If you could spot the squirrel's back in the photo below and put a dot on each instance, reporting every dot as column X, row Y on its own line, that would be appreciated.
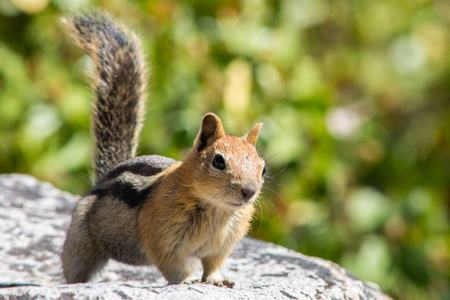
column 119, row 87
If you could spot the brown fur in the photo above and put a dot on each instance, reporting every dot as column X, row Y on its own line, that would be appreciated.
column 153, row 209
column 198, row 211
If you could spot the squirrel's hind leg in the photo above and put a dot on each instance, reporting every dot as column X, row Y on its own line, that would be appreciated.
column 81, row 259
column 79, row 269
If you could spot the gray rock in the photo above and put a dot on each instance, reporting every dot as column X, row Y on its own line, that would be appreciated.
column 34, row 217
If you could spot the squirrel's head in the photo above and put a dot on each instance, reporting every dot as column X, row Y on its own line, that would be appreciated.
column 228, row 171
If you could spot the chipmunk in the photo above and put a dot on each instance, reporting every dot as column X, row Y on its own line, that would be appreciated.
column 153, row 209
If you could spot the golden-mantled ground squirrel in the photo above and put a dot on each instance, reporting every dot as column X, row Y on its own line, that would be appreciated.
column 154, row 209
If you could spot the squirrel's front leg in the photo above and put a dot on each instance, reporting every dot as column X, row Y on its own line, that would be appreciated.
column 211, row 271
column 175, row 269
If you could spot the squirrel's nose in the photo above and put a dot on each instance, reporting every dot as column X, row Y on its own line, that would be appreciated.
column 248, row 191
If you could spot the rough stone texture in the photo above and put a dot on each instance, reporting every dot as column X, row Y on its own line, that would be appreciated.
column 34, row 217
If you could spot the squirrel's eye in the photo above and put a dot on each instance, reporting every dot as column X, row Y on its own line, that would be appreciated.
column 264, row 171
column 219, row 162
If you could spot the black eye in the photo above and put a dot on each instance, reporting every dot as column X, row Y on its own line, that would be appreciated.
column 219, row 162
column 264, row 171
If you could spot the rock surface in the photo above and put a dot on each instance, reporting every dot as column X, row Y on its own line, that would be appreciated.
column 34, row 217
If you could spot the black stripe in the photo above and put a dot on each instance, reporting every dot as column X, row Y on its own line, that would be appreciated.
column 138, row 168
column 124, row 191
column 143, row 165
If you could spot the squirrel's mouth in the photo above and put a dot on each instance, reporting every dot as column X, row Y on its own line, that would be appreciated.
column 239, row 204
column 235, row 204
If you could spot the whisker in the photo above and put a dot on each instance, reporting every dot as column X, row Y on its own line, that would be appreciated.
column 261, row 214
column 276, row 211
column 264, row 150
column 268, row 190
column 215, row 194
column 268, row 159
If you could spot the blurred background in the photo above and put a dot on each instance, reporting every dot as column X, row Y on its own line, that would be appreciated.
column 354, row 96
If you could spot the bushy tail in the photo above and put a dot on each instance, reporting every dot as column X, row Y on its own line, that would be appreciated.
column 119, row 86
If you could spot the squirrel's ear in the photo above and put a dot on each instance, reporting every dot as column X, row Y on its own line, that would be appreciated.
column 252, row 136
column 211, row 131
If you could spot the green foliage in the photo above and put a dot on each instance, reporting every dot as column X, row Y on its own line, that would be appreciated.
column 354, row 96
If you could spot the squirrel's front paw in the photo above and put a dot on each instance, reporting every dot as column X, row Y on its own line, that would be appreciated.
column 218, row 280
column 222, row 283
column 192, row 281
